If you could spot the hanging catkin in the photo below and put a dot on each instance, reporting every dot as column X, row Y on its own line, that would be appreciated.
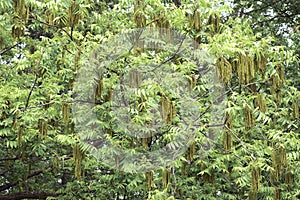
column 40, row 125
column 214, row 22
column 245, row 68
column 65, row 114
column 1, row 42
column 15, row 119
column 50, row 17
column 139, row 16
column 149, row 179
column 146, row 142
column 21, row 14
column 277, row 79
column 135, row 79
column 73, row 13
column 276, row 193
column 195, row 20
column 281, row 73
column 249, row 120
column 255, row 174
column 279, row 163
column 140, row 20
column 78, row 156
column 260, row 62
column 241, row 68
column 252, row 195
column 227, row 135
column 165, row 178
column 224, row 69
column 295, row 108
column 260, row 102
column 276, row 83
column 166, row 109
column 21, row 127
column 251, row 68
column 76, row 59
column 191, row 152
column 288, row 178
column 99, row 89
column 43, row 127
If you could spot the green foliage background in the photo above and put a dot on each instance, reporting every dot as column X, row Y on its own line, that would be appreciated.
column 43, row 44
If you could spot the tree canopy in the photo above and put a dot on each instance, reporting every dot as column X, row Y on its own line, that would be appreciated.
column 243, row 143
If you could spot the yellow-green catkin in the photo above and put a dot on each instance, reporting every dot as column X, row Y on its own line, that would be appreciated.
column 276, row 193
column 277, row 79
column 195, row 20
column 288, row 178
column 77, row 59
column 65, row 115
column 139, row 16
column 227, row 135
column 255, row 178
column 74, row 14
column 224, row 69
column 279, row 163
column 99, row 89
column 135, row 79
column 166, row 178
column 140, row 20
column 1, row 42
column 21, row 15
column 43, row 128
column 260, row 62
column 78, row 156
column 214, row 22
column 295, row 108
column 20, row 132
column 190, row 153
column 149, row 179
column 260, row 102
column 245, row 68
column 166, row 109
column 249, row 118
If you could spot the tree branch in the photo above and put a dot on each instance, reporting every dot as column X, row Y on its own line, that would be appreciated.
column 27, row 195
column 9, row 48
column 7, row 159
column 54, row 26
column 31, row 90
column 35, row 173
column 171, row 57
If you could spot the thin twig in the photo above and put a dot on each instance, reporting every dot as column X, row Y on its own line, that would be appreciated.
column 9, row 48
column 57, row 27
column 172, row 57
column 241, row 142
column 175, row 181
column 31, row 90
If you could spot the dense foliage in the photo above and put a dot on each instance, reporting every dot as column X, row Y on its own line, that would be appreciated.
column 277, row 18
column 43, row 46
